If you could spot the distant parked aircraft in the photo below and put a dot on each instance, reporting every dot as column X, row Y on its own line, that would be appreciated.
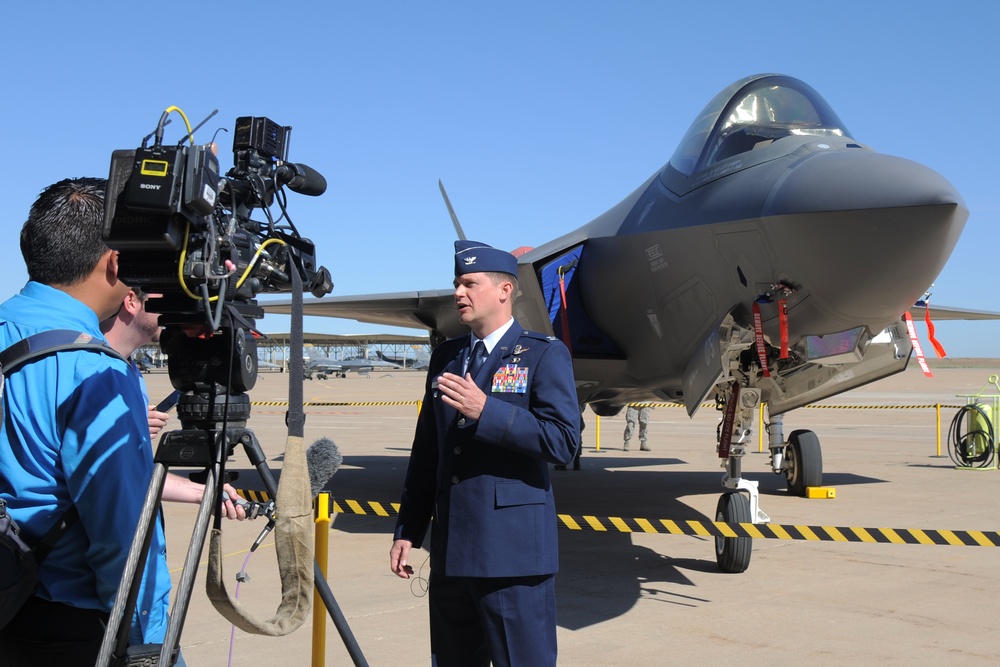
column 418, row 362
column 325, row 367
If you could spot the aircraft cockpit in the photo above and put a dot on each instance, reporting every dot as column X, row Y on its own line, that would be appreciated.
column 750, row 115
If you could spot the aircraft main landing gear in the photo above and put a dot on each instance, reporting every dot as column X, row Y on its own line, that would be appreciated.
column 804, row 462
column 800, row 459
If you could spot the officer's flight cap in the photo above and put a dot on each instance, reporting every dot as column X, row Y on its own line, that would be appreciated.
column 476, row 257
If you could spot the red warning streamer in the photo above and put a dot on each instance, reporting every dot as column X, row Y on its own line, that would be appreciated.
column 758, row 332
column 783, row 325
column 930, row 332
column 728, row 419
column 564, row 311
column 912, row 330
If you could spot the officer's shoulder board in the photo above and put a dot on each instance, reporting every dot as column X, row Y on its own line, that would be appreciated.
column 455, row 341
column 538, row 336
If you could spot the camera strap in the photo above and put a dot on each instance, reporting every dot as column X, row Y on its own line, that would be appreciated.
column 294, row 522
column 296, row 417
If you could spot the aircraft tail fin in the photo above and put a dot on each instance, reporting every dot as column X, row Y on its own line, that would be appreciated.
column 451, row 212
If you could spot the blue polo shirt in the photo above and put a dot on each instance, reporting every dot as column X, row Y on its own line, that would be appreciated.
column 76, row 432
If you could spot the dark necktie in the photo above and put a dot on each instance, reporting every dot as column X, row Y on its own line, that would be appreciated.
column 477, row 358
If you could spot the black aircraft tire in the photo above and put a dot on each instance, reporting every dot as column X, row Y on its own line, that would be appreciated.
column 805, row 464
column 732, row 554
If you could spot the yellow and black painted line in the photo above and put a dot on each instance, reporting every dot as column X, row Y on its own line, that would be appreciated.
column 955, row 538
column 819, row 406
column 770, row 531
column 933, row 406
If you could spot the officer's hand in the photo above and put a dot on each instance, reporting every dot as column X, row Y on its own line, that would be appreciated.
column 398, row 555
column 463, row 394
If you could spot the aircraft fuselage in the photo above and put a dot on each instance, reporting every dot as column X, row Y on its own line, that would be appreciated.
column 845, row 237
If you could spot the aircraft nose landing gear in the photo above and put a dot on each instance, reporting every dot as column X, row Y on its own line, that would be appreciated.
column 733, row 553
column 800, row 460
column 740, row 503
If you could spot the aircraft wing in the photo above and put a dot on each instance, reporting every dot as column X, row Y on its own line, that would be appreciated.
column 949, row 313
column 433, row 310
column 327, row 368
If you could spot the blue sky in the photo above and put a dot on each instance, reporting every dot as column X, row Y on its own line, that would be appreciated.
column 537, row 116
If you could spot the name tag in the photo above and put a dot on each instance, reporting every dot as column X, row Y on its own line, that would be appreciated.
column 511, row 379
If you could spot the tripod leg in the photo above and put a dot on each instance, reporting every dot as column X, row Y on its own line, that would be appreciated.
column 115, row 639
column 184, row 587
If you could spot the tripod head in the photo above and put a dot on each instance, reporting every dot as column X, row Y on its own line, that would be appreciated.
column 213, row 370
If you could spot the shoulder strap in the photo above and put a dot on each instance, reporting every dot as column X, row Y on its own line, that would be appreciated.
column 50, row 538
column 27, row 350
column 44, row 343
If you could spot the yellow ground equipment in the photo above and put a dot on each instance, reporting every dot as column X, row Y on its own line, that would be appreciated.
column 972, row 435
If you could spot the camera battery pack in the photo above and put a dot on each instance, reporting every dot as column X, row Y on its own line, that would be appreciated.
column 140, row 229
column 157, row 177
column 201, row 182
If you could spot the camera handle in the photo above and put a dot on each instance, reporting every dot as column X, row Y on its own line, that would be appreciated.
column 190, row 448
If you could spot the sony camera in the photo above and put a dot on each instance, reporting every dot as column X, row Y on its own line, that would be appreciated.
column 186, row 232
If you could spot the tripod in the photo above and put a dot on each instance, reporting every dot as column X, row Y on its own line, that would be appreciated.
column 191, row 448
column 199, row 444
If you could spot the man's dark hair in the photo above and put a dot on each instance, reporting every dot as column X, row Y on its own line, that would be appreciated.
column 61, row 241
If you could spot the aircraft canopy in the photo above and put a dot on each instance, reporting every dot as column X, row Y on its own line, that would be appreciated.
column 752, row 113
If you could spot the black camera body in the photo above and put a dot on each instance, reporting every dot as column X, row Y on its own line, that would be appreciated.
column 186, row 233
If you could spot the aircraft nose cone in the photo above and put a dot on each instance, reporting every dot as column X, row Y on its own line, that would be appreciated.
column 885, row 227
column 851, row 179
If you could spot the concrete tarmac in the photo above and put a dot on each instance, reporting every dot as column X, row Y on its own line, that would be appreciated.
column 654, row 599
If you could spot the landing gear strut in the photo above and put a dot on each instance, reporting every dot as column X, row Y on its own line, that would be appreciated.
column 740, row 504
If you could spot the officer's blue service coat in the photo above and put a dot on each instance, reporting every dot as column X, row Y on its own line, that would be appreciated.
column 486, row 483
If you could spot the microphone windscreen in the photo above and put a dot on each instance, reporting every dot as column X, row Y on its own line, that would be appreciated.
column 323, row 459
column 310, row 182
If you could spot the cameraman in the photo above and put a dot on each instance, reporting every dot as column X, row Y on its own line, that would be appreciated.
column 132, row 327
column 75, row 432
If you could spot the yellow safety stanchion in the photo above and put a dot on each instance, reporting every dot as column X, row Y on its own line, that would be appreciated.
column 597, row 447
column 323, row 512
column 938, row 407
column 760, row 428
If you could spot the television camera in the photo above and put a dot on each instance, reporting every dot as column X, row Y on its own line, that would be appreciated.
column 186, row 233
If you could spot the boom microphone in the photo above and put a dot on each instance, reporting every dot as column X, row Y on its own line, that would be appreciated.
column 324, row 459
column 301, row 178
